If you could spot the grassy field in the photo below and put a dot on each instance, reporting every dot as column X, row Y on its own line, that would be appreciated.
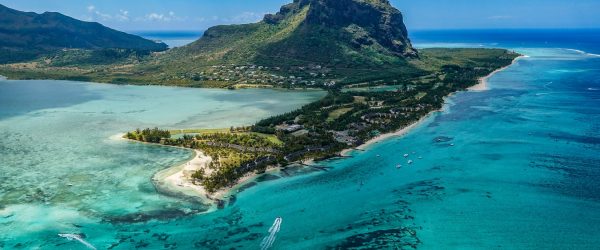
column 333, row 115
column 272, row 138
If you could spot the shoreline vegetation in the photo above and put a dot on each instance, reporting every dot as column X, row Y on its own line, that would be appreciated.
column 343, row 121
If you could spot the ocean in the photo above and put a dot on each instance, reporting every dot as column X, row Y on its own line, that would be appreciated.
column 514, row 167
column 171, row 38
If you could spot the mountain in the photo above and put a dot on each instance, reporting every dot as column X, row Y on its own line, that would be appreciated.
column 364, row 32
column 26, row 35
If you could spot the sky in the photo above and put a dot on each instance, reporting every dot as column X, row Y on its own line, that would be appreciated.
column 198, row 15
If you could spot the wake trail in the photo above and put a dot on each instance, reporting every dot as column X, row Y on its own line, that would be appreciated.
column 77, row 238
column 268, row 241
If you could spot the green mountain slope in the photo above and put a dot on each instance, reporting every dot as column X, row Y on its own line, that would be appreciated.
column 310, row 31
column 26, row 35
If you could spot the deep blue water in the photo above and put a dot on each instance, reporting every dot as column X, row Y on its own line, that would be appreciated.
column 582, row 39
column 515, row 167
column 171, row 38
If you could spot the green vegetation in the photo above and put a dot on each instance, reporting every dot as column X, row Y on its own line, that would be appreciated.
column 335, row 114
column 154, row 135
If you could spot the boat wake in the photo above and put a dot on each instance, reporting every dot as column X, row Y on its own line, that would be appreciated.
column 77, row 238
column 268, row 241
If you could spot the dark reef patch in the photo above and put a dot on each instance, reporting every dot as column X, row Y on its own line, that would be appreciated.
column 246, row 186
column 267, row 177
column 403, row 238
column 162, row 215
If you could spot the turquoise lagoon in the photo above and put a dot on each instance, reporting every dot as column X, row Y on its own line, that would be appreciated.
column 515, row 167
column 63, row 165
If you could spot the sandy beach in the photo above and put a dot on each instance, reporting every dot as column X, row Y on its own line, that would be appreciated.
column 179, row 179
column 483, row 82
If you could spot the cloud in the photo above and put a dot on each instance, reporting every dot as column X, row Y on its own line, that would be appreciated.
column 97, row 15
column 160, row 17
column 500, row 17
column 123, row 15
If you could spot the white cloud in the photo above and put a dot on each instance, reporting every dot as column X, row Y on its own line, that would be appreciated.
column 161, row 17
column 123, row 15
column 156, row 17
column 95, row 15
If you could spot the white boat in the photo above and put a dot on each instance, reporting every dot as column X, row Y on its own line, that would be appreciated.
column 410, row 161
column 399, row 166
column 405, row 155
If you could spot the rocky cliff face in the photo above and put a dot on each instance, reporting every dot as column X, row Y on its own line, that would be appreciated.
column 338, row 33
column 366, row 21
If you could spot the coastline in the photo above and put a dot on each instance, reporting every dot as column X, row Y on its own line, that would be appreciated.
column 483, row 81
column 383, row 137
column 481, row 86
column 177, row 179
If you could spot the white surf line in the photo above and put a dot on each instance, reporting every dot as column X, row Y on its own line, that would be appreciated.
column 584, row 53
column 77, row 238
column 268, row 241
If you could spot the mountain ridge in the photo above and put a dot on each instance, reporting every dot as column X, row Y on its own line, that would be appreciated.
column 28, row 34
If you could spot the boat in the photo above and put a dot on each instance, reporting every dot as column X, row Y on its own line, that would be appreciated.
column 399, row 166
column 410, row 161
column 405, row 155
column 420, row 157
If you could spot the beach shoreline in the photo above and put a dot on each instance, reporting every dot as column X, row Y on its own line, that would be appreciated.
column 482, row 84
column 178, row 179
column 398, row 133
